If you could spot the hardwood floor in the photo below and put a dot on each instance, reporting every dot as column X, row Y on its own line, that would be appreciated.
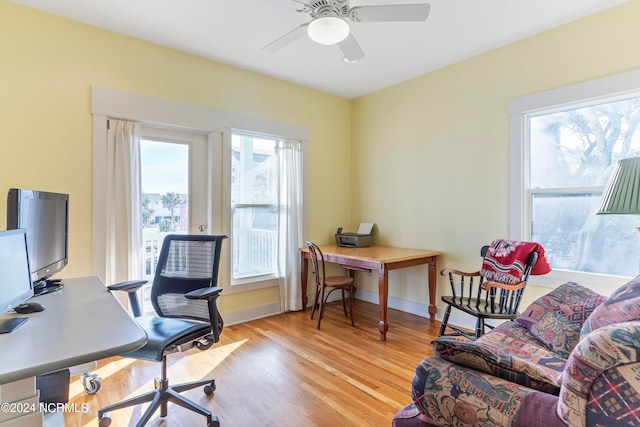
column 281, row 371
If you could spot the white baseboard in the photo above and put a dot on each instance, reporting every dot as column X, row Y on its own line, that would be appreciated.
column 456, row 318
column 253, row 313
column 419, row 309
column 412, row 307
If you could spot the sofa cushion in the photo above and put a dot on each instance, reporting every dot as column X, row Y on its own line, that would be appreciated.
column 557, row 317
column 508, row 352
column 452, row 395
column 622, row 306
column 602, row 376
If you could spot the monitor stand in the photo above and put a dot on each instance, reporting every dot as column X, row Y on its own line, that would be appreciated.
column 46, row 286
column 8, row 325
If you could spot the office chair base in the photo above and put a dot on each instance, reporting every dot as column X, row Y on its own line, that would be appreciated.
column 159, row 398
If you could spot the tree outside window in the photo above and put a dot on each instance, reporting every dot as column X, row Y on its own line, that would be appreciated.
column 571, row 156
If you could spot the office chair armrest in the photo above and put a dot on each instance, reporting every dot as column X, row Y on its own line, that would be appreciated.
column 211, row 295
column 446, row 271
column 488, row 285
column 130, row 286
column 203, row 293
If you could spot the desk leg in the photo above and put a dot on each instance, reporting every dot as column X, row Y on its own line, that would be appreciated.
column 432, row 289
column 304, row 274
column 383, row 293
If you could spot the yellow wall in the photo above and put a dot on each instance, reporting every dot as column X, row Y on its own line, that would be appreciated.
column 432, row 153
column 47, row 66
column 427, row 160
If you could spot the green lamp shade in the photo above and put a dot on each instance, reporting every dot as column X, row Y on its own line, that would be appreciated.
column 622, row 193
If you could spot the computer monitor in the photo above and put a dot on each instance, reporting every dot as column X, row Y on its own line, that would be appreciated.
column 15, row 277
column 45, row 216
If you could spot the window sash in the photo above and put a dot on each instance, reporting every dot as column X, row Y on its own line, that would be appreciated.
column 521, row 110
column 255, row 252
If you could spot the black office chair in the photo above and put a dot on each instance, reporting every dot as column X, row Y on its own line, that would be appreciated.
column 496, row 290
column 184, row 295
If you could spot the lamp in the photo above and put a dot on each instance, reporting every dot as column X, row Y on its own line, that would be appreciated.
column 328, row 30
column 622, row 193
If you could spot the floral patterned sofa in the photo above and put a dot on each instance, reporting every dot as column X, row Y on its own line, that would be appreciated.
column 571, row 358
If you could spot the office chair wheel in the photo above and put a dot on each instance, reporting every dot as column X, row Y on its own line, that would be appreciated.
column 214, row 422
column 210, row 388
column 204, row 344
column 105, row 420
column 91, row 383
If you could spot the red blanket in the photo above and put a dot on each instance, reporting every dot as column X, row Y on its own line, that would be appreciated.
column 506, row 261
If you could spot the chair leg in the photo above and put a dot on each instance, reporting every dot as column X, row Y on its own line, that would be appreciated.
column 445, row 320
column 344, row 303
column 159, row 397
column 479, row 327
column 321, row 309
column 351, row 298
column 180, row 400
column 315, row 302
column 150, row 396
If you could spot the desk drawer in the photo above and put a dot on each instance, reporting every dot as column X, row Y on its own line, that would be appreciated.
column 356, row 264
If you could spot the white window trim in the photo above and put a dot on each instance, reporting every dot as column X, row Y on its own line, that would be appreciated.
column 110, row 103
column 256, row 281
column 610, row 88
column 261, row 280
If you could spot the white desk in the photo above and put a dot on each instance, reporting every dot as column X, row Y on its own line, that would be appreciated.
column 81, row 323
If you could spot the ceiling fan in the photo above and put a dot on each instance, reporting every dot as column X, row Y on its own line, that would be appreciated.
column 329, row 24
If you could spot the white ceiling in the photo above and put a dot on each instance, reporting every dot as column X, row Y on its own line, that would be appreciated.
column 235, row 31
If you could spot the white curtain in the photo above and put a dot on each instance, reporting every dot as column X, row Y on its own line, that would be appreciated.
column 123, row 200
column 291, row 179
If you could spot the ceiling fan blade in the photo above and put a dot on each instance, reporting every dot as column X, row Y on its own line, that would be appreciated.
column 351, row 49
column 289, row 37
column 390, row 13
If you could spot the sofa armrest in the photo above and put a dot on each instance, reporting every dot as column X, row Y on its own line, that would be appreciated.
column 447, row 394
column 604, row 349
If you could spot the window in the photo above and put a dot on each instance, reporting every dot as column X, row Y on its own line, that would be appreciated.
column 169, row 170
column 266, row 184
column 209, row 204
column 564, row 153
column 254, row 206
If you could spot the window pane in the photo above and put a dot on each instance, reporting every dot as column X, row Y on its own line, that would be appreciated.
column 255, row 241
column 165, row 195
column 576, row 148
column 254, row 207
column 254, row 175
column 577, row 239
column 575, row 151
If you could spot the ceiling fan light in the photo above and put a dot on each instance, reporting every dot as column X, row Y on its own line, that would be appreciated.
column 328, row 30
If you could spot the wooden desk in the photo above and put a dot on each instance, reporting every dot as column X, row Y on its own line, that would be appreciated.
column 376, row 258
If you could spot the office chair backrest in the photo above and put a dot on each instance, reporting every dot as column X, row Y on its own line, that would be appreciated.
column 186, row 263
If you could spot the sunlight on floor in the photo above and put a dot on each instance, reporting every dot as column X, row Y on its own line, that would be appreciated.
column 194, row 364
column 76, row 387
